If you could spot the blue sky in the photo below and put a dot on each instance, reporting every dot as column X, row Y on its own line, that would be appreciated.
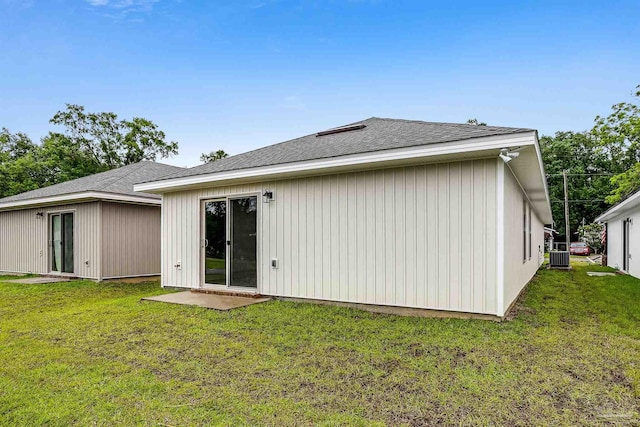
column 243, row 74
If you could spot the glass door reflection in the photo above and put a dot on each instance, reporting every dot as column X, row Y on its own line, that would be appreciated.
column 215, row 242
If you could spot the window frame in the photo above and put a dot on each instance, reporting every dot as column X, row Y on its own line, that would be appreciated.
column 529, row 206
column 524, row 229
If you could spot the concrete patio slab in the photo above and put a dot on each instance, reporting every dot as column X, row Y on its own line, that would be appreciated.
column 37, row 280
column 213, row 301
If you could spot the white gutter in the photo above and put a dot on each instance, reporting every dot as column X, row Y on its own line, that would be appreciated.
column 457, row 147
column 77, row 197
column 544, row 177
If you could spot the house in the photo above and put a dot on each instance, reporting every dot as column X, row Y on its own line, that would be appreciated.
column 385, row 212
column 94, row 227
column 623, row 236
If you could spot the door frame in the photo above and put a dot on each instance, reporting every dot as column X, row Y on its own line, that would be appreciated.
column 626, row 225
column 50, row 214
column 202, row 234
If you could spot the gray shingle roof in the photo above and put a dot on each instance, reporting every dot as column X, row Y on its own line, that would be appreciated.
column 377, row 135
column 116, row 181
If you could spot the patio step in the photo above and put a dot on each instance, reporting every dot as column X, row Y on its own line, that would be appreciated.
column 227, row 293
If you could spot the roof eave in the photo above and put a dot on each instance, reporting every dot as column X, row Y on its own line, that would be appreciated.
column 81, row 197
column 622, row 207
column 468, row 148
column 529, row 171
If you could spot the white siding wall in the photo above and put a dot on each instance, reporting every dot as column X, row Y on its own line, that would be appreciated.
column 422, row 236
column 614, row 244
column 614, row 247
column 518, row 271
column 24, row 240
column 130, row 240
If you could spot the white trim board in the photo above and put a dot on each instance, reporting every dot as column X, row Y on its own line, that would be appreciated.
column 79, row 197
column 620, row 208
column 373, row 159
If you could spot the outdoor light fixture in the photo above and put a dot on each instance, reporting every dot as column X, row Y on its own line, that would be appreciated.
column 267, row 196
column 39, row 214
column 507, row 155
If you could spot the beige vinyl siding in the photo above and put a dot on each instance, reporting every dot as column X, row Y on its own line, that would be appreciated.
column 24, row 240
column 615, row 241
column 421, row 236
column 130, row 240
column 518, row 272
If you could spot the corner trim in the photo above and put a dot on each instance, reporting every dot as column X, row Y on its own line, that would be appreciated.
column 500, row 239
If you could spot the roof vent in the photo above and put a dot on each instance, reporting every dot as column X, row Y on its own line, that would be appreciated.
column 341, row 129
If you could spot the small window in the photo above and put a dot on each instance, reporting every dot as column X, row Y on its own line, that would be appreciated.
column 524, row 230
column 529, row 232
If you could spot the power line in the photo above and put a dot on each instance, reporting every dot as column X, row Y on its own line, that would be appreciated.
column 579, row 201
column 582, row 174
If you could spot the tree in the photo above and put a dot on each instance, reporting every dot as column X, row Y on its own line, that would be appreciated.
column 13, row 146
column 590, row 234
column 475, row 122
column 625, row 183
column 65, row 159
column 619, row 136
column 213, row 156
column 111, row 142
column 588, row 174
column 20, row 168
column 91, row 143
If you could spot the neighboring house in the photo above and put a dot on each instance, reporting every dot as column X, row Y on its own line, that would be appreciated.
column 623, row 235
column 386, row 212
column 94, row 227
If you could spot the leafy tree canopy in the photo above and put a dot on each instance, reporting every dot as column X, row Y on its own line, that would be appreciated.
column 590, row 234
column 601, row 164
column 90, row 143
column 588, row 176
column 111, row 142
column 213, row 156
column 475, row 122
column 619, row 136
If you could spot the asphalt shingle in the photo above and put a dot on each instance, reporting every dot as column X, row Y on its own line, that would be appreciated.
column 377, row 135
column 116, row 181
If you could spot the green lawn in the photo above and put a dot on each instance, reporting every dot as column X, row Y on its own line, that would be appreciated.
column 217, row 263
column 81, row 353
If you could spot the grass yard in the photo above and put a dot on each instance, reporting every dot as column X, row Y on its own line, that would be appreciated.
column 214, row 263
column 81, row 353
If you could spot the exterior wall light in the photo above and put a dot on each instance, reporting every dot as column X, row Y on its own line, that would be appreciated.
column 268, row 196
column 507, row 155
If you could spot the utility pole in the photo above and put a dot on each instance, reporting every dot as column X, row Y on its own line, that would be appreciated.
column 566, row 210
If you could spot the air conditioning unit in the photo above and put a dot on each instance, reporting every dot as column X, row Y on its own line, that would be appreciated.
column 559, row 259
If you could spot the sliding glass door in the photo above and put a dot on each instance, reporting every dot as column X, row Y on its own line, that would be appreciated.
column 215, row 242
column 244, row 245
column 230, row 242
column 625, row 244
column 61, row 237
